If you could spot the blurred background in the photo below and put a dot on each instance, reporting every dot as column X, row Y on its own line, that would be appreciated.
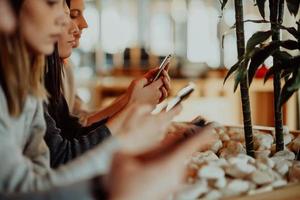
column 125, row 38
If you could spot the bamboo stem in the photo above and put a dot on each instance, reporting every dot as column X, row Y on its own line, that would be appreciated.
column 276, row 16
column 244, row 85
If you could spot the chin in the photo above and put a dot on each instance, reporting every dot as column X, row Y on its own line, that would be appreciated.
column 76, row 44
column 66, row 55
column 48, row 50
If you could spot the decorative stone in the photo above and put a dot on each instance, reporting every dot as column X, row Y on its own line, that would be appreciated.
column 287, row 138
column 224, row 137
column 279, row 183
column 261, row 166
column 192, row 191
column 216, row 146
column 220, row 163
column 204, row 157
column 211, row 172
column 262, row 153
column 240, row 170
column 241, row 158
column 286, row 154
column 285, row 130
column 263, row 141
column 213, row 195
column 220, row 183
column 294, row 174
column 232, row 149
column 282, row 167
column 237, row 187
column 296, row 144
column 267, row 161
column 267, row 188
column 260, row 177
column 236, row 135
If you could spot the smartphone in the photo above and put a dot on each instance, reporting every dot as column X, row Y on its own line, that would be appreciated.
column 183, row 94
column 162, row 66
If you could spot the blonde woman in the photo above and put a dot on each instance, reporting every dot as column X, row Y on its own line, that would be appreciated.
column 23, row 153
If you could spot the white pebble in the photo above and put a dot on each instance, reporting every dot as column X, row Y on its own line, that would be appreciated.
column 211, row 172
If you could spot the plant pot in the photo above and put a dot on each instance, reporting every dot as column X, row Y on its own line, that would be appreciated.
column 240, row 176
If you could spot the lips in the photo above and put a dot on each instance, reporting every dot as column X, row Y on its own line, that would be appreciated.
column 72, row 43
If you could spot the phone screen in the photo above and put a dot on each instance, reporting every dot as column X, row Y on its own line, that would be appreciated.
column 162, row 66
column 181, row 95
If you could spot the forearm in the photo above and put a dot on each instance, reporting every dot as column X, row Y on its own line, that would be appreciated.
column 79, row 191
column 109, row 111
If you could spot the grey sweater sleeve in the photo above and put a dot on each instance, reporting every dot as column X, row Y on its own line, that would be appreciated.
column 25, row 164
column 78, row 191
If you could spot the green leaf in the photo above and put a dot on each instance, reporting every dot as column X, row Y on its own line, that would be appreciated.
column 291, row 64
column 252, row 21
column 257, row 21
column 286, row 74
column 232, row 69
column 293, row 31
column 259, row 57
column 240, row 74
column 286, row 93
column 282, row 55
column 224, row 2
column 293, row 6
column 296, row 82
column 290, row 44
column 261, row 7
column 257, row 38
column 269, row 74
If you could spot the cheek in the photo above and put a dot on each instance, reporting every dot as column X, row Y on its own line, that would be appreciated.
column 28, row 30
column 64, row 47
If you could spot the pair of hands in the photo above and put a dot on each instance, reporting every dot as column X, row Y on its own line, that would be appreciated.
column 141, row 98
column 156, row 174
column 144, row 91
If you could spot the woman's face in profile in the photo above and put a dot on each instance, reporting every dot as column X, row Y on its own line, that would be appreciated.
column 66, row 40
column 41, row 23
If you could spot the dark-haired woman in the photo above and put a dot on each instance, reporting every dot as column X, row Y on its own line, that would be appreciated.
column 65, row 136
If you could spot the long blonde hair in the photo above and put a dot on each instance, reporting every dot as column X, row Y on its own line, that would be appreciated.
column 20, row 73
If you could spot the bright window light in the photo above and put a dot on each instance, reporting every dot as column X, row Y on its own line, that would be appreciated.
column 161, row 34
column 90, row 35
column 203, row 43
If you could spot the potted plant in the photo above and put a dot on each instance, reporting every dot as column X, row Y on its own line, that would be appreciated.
column 224, row 170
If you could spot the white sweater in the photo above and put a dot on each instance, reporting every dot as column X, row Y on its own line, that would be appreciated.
column 24, row 156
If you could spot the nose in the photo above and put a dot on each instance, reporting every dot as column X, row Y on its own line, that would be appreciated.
column 83, row 23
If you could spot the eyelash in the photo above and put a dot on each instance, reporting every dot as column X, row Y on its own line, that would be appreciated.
column 52, row 2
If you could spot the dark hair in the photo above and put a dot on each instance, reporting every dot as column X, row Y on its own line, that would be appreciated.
column 16, row 5
column 53, row 77
column 68, row 3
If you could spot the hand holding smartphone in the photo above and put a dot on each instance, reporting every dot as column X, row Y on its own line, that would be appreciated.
column 162, row 66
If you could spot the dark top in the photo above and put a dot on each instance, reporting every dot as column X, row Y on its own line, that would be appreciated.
column 66, row 137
